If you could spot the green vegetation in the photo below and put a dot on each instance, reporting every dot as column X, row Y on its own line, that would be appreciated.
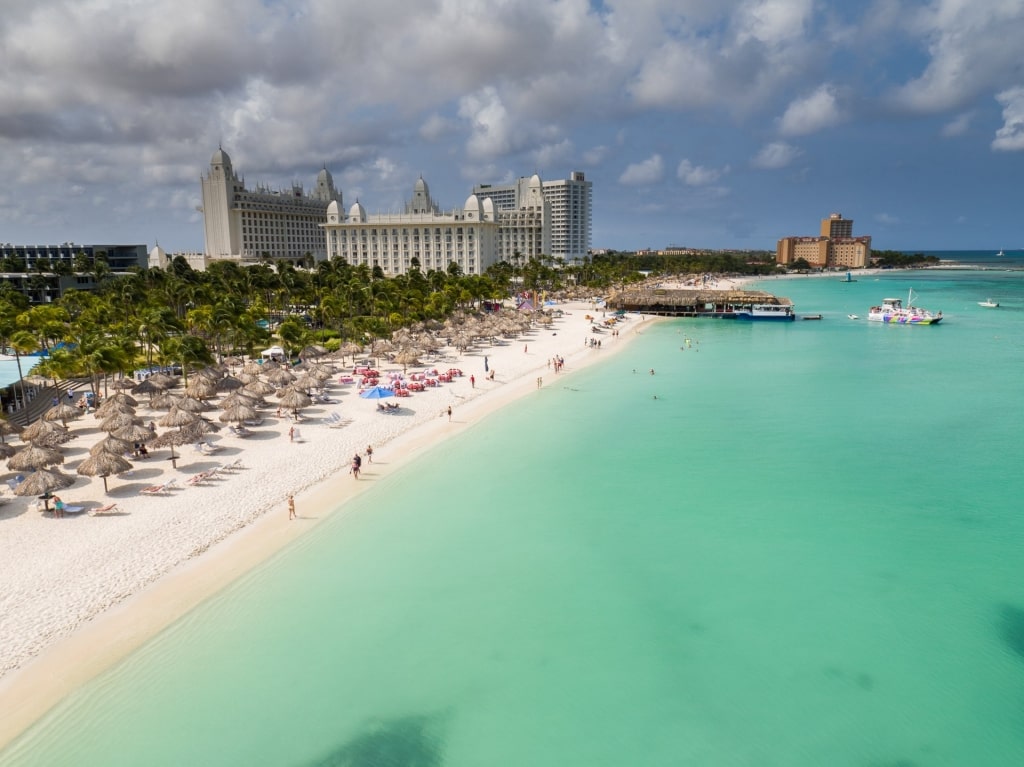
column 180, row 316
column 894, row 259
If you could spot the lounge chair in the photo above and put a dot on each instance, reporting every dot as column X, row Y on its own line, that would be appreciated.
column 108, row 509
column 200, row 478
column 231, row 465
column 74, row 509
column 207, row 448
column 155, row 489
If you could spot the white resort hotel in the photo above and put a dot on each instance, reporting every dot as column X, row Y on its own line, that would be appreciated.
column 513, row 223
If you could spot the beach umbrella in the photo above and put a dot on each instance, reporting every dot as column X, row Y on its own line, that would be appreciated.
column 312, row 351
column 40, row 429
column 192, row 405
column 199, row 429
column 6, row 429
column 150, row 386
column 119, row 420
column 407, row 357
column 34, row 457
column 252, row 367
column 164, row 380
column 172, row 438
column 241, row 397
column 133, row 433
column 258, row 389
column 123, row 383
column 111, row 444
column 122, row 398
column 229, row 383
column 201, row 388
column 165, row 400
column 42, row 482
column 238, row 413
column 63, row 413
column 293, row 399
column 110, row 407
column 280, row 377
column 176, row 417
column 102, row 465
column 377, row 392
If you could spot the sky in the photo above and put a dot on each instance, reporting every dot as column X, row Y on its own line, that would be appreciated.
column 703, row 123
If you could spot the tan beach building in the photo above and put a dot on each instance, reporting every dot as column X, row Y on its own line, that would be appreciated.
column 835, row 248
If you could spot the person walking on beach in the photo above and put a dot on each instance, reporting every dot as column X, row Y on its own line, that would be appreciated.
column 472, row 381
column 291, row 433
column 449, row 414
column 291, row 507
column 369, row 453
column 357, row 464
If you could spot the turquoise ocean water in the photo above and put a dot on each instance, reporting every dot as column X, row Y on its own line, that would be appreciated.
column 805, row 551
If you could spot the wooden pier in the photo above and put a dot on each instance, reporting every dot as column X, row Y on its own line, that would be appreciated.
column 665, row 302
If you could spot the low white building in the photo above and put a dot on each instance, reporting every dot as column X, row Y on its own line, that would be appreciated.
column 466, row 237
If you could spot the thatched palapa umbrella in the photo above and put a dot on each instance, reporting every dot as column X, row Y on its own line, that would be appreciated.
column 201, row 388
column 111, row 444
column 172, row 438
column 150, row 386
column 34, row 457
column 176, row 417
column 103, row 465
column 294, row 400
column 119, row 420
column 42, row 482
column 42, row 429
column 258, row 389
column 238, row 413
column 62, row 412
column 6, row 429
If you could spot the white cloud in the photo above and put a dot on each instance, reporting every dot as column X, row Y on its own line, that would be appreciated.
column 812, row 113
column 698, row 175
column 958, row 125
column 1010, row 138
column 775, row 155
column 650, row 171
column 972, row 47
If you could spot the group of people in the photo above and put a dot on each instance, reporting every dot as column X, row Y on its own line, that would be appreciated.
column 357, row 461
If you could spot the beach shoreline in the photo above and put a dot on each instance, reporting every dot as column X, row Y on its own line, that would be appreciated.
column 60, row 644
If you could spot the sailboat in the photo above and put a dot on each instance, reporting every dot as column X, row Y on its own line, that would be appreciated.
column 1000, row 253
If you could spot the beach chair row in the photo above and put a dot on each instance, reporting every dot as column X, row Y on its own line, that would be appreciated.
column 196, row 479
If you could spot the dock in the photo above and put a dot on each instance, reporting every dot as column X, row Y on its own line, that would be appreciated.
column 716, row 304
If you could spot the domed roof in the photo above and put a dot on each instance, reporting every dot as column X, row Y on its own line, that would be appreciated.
column 421, row 187
column 535, row 182
column 357, row 212
column 325, row 177
column 488, row 209
column 333, row 212
column 220, row 157
column 472, row 208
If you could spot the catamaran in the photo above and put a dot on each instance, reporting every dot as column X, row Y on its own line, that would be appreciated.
column 893, row 312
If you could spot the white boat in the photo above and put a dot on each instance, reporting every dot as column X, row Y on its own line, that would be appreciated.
column 893, row 312
column 853, row 316
column 1000, row 253
column 989, row 303
column 769, row 312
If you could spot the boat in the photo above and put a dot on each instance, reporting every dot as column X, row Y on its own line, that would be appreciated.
column 811, row 317
column 771, row 312
column 849, row 278
column 989, row 303
column 893, row 312
column 853, row 316
column 1000, row 253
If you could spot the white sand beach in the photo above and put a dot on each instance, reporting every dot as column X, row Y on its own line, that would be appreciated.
column 79, row 592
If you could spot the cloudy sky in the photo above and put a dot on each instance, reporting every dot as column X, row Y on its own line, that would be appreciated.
column 709, row 123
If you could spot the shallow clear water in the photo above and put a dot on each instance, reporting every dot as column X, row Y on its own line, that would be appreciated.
column 805, row 551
